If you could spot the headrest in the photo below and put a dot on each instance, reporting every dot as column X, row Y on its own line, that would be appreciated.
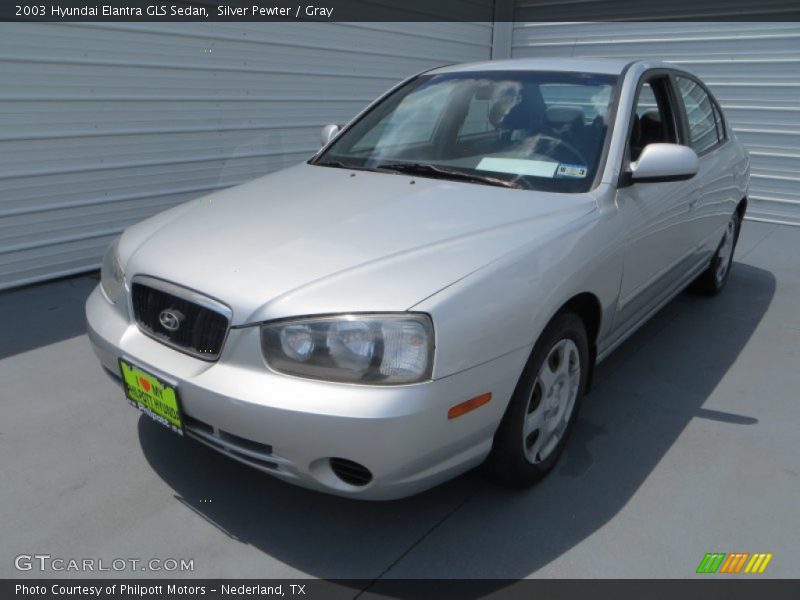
column 526, row 114
column 652, row 115
column 651, row 122
column 561, row 115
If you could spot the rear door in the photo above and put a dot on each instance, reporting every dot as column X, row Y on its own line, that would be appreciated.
column 713, row 187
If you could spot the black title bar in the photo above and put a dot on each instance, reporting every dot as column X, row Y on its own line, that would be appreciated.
column 440, row 589
column 396, row 10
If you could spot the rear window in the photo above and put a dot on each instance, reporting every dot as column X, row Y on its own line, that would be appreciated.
column 702, row 116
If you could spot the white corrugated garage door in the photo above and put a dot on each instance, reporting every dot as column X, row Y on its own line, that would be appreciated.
column 752, row 68
column 104, row 124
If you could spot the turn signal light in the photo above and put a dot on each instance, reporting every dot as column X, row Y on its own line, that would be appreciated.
column 471, row 404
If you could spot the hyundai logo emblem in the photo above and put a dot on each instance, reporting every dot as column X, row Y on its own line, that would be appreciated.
column 170, row 319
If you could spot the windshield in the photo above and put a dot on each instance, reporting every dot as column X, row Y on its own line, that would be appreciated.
column 533, row 130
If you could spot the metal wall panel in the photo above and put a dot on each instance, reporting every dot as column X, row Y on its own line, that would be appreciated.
column 104, row 124
column 753, row 69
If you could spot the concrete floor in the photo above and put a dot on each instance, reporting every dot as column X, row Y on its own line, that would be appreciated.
column 688, row 444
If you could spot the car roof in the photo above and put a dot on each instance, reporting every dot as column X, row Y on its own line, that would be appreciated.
column 610, row 66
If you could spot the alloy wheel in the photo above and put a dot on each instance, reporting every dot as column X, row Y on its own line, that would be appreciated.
column 552, row 401
column 725, row 253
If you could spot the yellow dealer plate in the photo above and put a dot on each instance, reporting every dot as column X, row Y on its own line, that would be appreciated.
column 155, row 398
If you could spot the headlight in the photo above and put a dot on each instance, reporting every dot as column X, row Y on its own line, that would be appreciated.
column 111, row 276
column 371, row 349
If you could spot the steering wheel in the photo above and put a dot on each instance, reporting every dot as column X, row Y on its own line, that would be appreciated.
column 556, row 143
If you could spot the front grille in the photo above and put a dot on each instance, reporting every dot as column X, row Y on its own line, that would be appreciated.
column 201, row 326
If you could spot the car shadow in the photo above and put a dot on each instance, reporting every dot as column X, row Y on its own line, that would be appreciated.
column 644, row 396
column 44, row 313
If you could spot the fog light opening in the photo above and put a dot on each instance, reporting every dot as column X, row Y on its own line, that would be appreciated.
column 350, row 472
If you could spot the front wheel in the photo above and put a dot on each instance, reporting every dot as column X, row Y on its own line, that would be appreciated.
column 542, row 410
column 711, row 281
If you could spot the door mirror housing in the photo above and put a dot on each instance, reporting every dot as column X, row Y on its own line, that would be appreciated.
column 663, row 162
column 328, row 133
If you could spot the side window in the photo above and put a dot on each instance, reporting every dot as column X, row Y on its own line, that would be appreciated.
column 647, row 100
column 701, row 115
column 653, row 118
column 477, row 119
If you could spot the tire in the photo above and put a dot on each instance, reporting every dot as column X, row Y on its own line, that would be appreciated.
column 545, row 402
column 712, row 281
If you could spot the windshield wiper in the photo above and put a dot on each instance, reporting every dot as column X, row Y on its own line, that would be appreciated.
column 423, row 169
column 436, row 171
column 340, row 165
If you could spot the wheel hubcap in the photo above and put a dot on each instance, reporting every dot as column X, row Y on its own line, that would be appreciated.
column 725, row 253
column 552, row 401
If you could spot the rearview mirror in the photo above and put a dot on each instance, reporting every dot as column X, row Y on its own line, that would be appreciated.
column 664, row 162
column 328, row 133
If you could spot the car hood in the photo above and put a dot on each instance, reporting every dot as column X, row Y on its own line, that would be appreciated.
column 313, row 240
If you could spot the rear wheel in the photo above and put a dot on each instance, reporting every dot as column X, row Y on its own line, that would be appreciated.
column 713, row 279
column 541, row 412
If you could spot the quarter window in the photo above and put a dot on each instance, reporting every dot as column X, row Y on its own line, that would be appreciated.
column 718, row 120
column 704, row 130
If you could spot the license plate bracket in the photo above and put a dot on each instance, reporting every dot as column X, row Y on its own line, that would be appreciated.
column 152, row 395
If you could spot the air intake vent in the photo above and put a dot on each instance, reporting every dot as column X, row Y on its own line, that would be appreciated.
column 351, row 472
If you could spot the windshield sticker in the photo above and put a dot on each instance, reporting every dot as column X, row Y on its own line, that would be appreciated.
column 518, row 166
column 565, row 170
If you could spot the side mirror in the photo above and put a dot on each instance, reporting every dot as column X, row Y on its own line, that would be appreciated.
column 328, row 133
column 664, row 162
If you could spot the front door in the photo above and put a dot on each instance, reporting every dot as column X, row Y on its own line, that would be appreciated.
column 659, row 241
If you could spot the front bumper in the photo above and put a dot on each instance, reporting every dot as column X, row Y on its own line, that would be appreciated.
column 290, row 427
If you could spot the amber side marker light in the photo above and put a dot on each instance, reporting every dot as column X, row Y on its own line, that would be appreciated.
column 471, row 404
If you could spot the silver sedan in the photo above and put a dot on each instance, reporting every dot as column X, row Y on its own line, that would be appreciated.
column 432, row 289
